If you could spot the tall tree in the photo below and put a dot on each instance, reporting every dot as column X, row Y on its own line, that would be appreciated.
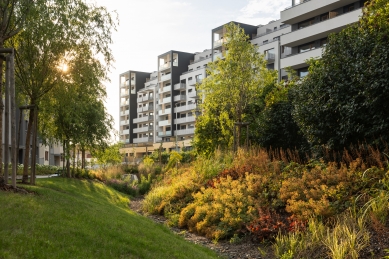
column 231, row 85
column 56, row 30
column 12, row 20
column 344, row 98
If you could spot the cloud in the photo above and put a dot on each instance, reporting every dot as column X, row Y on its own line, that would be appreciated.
column 262, row 11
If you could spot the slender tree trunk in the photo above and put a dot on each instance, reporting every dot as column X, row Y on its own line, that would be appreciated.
column 27, row 146
column 1, row 115
column 74, row 159
column 83, row 158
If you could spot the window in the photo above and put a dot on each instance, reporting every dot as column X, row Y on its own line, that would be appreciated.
column 324, row 17
column 265, row 41
column 323, row 42
column 348, row 8
column 306, row 23
column 307, row 47
column 302, row 72
column 275, row 28
column 46, row 155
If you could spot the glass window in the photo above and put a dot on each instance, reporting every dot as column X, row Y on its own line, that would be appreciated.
column 303, row 72
column 323, row 42
column 306, row 47
column 324, row 17
column 306, row 23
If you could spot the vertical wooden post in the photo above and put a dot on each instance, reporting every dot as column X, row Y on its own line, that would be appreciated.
column 34, row 137
column 6, row 117
column 13, row 120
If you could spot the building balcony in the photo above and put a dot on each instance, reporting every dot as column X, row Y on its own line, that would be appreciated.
column 217, row 55
column 143, row 140
column 125, row 122
column 180, row 97
column 148, row 108
column 166, row 100
column 297, row 61
column 143, row 129
column 164, row 134
column 307, row 9
column 144, row 119
column 139, row 109
column 165, row 112
column 147, row 98
column 218, row 43
column 180, row 86
column 139, row 99
column 124, row 92
column 320, row 30
column 188, row 107
column 124, row 103
column 270, row 57
column 164, row 123
column 192, row 94
column 164, row 66
column 165, row 89
column 126, row 112
column 125, row 132
column 184, row 120
column 185, row 132
column 166, row 77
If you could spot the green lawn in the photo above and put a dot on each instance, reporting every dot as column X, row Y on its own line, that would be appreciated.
column 69, row 218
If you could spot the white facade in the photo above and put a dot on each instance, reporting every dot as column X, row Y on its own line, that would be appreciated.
column 166, row 107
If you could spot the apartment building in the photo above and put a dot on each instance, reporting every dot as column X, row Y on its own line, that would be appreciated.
column 164, row 114
column 130, row 83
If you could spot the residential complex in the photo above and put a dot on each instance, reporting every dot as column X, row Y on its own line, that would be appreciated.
column 157, row 110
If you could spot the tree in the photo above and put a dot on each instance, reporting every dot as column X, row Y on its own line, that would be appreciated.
column 12, row 20
column 109, row 156
column 344, row 98
column 56, row 31
column 272, row 122
column 232, row 84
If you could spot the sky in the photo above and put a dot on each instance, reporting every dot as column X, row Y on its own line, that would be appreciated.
column 148, row 28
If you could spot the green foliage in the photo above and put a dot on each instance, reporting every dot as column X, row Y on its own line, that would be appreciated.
column 343, row 100
column 109, row 156
column 232, row 84
column 85, row 219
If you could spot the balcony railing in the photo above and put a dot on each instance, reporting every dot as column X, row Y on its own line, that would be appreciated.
column 147, row 98
column 139, row 99
column 165, row 112
column 185, row 132
column 124, row 93
column 179, row 86
column 218, row 43
column 143, row 119
column 139, row 109
column 164, row 123
column 166, row 77
column 188, row 107
column 301, row 2
column 179, row 98
column 126, row 112
column 125, row 132
column 143, row 140
column 125, row 122
column 184, row 120
column 148, row 108
column 166, row 100
column 164, row 66
column 192, row 94
column 124, row 103
column 166, row 89
column 164, row 134
column 143, row 129
column 270, row 57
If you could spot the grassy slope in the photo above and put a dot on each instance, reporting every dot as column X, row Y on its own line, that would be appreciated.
column 81, row 219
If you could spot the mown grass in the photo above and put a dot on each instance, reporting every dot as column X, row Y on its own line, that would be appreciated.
column 68, row 218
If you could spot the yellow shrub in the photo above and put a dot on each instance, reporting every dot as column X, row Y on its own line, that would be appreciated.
column 220, row 211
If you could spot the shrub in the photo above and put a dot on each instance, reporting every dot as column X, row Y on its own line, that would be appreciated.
column 223, row 210
column 123, row 186
column 321, row 191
